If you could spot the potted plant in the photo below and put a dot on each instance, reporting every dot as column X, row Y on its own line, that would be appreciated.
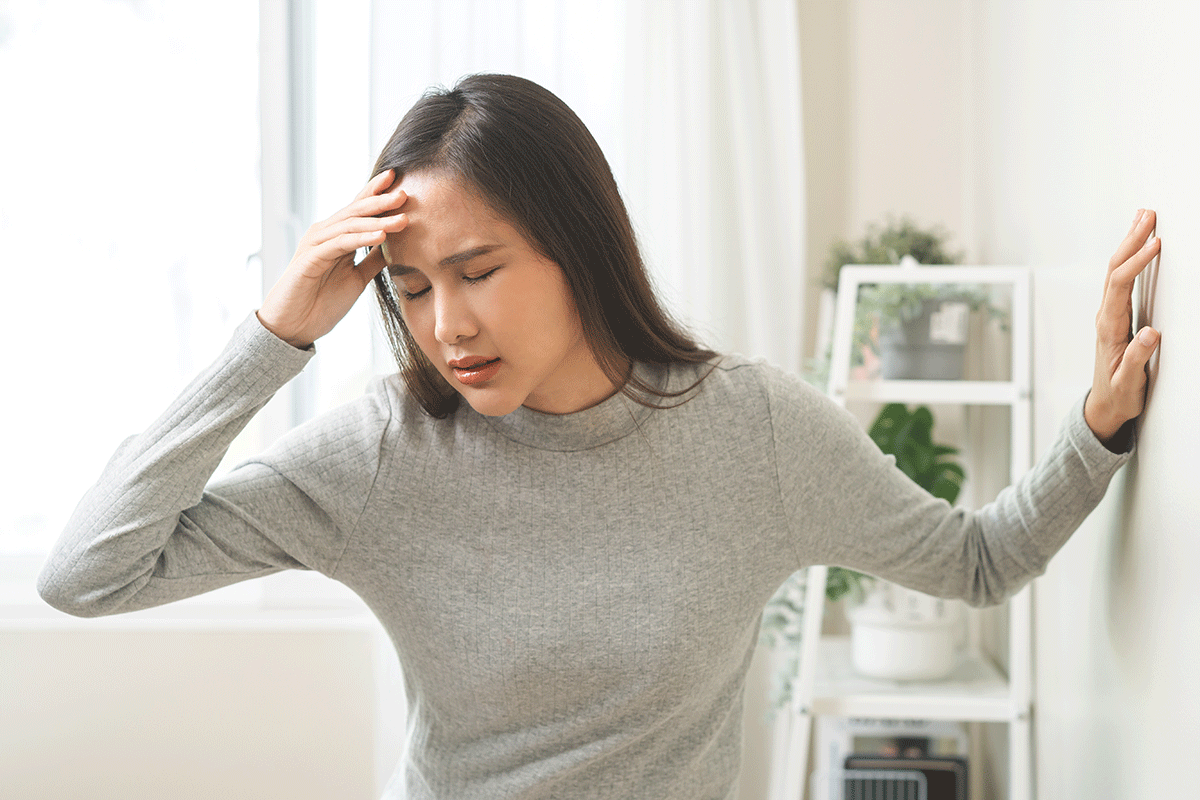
column 914, row 331
column 926, row 626
column 919, row 331
column 888, row 243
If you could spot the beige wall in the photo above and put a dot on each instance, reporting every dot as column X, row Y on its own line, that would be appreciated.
column 196, row 701
column 885, row 120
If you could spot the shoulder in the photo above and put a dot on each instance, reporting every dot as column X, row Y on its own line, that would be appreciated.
column 352, row 437
column 756, row 388
column 737, row 378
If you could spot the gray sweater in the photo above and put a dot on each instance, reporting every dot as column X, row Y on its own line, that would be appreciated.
column 575, row 599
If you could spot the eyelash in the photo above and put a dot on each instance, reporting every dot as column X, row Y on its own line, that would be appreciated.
column 477, row 279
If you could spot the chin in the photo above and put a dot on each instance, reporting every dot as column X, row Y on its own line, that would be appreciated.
column 491, row 405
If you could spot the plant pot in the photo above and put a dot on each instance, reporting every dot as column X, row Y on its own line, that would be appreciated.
column 899, row 634
column 930, row 346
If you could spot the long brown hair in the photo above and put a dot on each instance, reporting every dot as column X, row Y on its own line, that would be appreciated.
column 533, row 160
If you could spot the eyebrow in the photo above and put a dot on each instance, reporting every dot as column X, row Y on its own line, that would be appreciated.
column 448, row 261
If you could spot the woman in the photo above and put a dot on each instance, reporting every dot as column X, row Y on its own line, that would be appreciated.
column 572, row 564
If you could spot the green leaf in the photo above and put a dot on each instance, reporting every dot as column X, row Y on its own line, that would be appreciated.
column 954, row 469
column 883, row 430
column 909, row 437
column 923, row 426
column 945, row 489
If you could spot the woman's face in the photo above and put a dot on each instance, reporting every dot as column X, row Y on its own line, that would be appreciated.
column 493, row 315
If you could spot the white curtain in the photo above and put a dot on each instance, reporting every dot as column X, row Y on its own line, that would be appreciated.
column 696, row 103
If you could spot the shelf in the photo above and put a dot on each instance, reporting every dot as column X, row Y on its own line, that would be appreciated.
column 976, row 690
column 995, row 393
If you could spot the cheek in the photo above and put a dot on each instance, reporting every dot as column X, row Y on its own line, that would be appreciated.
column 541, row 325
column 419, row 326
column 566, row 325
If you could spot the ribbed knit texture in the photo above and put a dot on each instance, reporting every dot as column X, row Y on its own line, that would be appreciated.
column 575, row 599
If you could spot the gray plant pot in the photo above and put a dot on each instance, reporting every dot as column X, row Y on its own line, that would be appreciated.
column 930, row 346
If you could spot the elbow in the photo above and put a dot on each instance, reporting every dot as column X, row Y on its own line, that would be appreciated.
column 986, row 590
column 71, row 600
column 984, row 600
column 995, row 571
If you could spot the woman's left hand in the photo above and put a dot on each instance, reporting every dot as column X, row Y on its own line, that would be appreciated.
column 1119, row 384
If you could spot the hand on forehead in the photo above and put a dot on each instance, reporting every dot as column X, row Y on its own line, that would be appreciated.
column 446, row 218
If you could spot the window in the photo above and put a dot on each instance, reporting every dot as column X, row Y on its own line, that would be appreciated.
column 130, row 213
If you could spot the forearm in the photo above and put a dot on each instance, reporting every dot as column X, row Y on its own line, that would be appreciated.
column 114, row 540
column 1029, row 522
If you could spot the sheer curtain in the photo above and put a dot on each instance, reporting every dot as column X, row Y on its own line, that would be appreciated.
column 715, row 176
column 696, row 105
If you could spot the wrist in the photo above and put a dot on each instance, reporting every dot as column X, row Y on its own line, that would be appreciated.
column 297, row 342
column 1100, row 419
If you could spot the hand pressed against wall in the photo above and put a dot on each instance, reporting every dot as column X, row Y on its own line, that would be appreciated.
column 1119, row 384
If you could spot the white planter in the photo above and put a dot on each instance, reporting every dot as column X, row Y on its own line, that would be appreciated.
column 899, row 634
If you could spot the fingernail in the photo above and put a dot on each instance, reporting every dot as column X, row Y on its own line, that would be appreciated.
column 1138, row 216
column 1146, row 336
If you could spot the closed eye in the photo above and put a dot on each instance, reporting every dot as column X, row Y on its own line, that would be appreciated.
column 480, row 278
column 410, row 296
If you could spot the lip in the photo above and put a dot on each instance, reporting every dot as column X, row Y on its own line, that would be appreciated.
column 474, row 369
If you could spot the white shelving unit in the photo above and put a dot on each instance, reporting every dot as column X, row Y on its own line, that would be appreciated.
column 978, row 690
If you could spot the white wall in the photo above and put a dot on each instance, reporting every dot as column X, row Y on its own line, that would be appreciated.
column 1087, row 111
column 1034, row 131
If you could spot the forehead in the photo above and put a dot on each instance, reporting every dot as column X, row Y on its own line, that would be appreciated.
column 442, row 193
column 445, row 216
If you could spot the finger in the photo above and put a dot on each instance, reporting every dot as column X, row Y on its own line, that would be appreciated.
column 371, row 205
column 1137, row 217
column 387, row 224
column 1121, row 279
column 1131, row 375
column 333, row 250
column 390, row 204
column 374, row 207
column 372, row 265
column 1149, row 220
column 1143, row 226
column 1118, row 289
column 377, row 184
column 372, row 225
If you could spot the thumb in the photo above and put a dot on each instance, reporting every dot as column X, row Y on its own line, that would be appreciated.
column 372, row 265
column 1131, row 373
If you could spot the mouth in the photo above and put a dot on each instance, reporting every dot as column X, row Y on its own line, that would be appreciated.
column 473, row 370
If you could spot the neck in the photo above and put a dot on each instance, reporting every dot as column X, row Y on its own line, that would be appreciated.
column 581, row 385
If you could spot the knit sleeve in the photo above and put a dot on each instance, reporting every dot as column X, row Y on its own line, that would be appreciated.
column 849, row 505
column 153, row 529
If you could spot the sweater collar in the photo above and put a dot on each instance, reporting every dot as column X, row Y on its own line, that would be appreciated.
column 608, row 421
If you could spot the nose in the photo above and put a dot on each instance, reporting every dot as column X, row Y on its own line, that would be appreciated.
column 453, row 321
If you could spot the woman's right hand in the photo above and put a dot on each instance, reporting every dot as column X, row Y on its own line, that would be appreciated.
column 322, row 281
